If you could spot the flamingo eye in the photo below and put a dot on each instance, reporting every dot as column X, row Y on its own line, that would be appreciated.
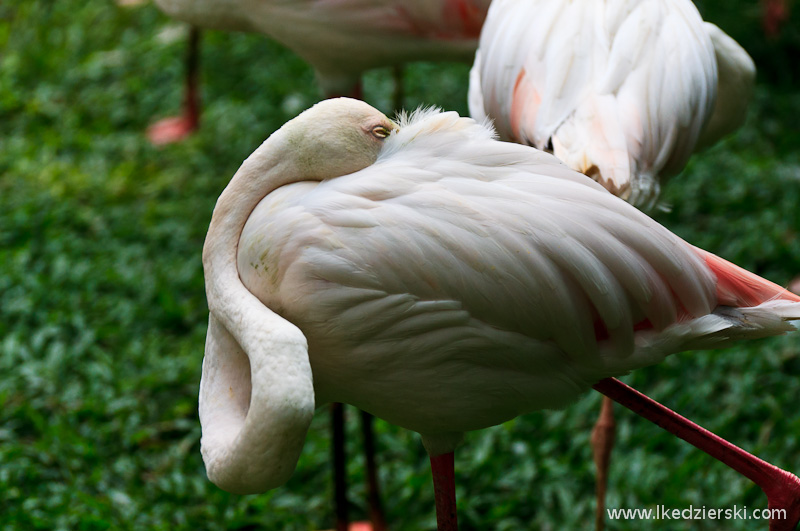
column 380, row 132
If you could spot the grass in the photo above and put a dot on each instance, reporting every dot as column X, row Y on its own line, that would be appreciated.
column 103, row 314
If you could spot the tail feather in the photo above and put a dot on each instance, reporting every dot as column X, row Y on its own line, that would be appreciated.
column 718, row 329
column 749, row 307
column 726, row 324
column 740, row 288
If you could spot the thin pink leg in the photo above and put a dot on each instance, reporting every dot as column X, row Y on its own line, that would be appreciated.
column 444, row 489
column 781, row 487
column 176, row 128
column 602, row 443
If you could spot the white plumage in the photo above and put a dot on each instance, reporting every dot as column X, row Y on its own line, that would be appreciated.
column 622, row 90
column 439, row 279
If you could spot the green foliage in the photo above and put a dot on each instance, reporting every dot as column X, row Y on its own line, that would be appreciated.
column 103, row 314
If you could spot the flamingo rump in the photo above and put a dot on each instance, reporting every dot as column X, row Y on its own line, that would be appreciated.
column 441, row 280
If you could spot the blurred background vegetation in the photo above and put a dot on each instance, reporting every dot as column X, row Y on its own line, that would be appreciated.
column 103, row 313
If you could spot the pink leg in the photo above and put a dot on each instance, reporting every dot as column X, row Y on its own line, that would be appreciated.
column 444, row 489
column 782, row 488
column 176, row 128
column 602, row 442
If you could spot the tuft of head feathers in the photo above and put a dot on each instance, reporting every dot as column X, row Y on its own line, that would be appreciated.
column 431, row 126
column 405, row 118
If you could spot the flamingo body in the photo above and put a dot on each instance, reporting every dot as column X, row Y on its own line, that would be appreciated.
column 448, row 281
column 345, row 38
column 536, row 277
column 621, row 91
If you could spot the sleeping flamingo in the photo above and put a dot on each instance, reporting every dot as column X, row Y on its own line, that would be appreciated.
column 445, row 282
column 340, row 40
column 622, row 91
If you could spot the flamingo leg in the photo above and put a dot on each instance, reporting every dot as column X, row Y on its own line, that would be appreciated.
column 444, row 489
column 339, row 473
column 176, row 128
column 781, row 487
column 602, row 443
column 373, row 490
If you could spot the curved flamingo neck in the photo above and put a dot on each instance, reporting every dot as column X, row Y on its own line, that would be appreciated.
column 256, row 393
column 261, row 173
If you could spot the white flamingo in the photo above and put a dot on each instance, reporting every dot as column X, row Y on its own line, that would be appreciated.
column 622, row 91
column 445, row 282
column 340, row 40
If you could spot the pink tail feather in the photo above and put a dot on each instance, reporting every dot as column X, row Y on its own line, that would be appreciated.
column 740, row 288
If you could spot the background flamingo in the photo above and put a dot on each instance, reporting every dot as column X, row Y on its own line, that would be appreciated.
column 622, row 92
column 406, row 266
column 340, row 40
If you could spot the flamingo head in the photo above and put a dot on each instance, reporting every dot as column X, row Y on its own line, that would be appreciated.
column 336, row 137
